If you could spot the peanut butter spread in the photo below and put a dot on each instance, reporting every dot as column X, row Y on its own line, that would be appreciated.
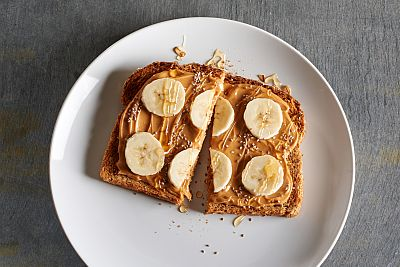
column 175, row 133
column 241, row 146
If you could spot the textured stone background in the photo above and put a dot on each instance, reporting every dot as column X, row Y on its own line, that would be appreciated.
column 45, row 45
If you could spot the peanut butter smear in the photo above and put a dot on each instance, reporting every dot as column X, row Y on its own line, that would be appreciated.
column 241, row 146
column 175, row 133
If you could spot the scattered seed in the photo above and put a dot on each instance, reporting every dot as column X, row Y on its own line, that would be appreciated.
column 178, row 226
column 202, row 251
column 215, row 252
column 242, row 235
column 221, row 219
column 249, row 219
column 159, row 203
column 207, row 245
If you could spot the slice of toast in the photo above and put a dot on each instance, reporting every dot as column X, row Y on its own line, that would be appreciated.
column 235, row 199
column 196, row 79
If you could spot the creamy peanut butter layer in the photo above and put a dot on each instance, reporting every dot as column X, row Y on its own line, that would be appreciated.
column 175, row 132
column 239, row 144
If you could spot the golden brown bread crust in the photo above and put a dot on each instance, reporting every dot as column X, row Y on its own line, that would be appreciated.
column 290, row 208
column 109, row 170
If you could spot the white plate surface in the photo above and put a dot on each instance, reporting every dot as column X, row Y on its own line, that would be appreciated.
column 110, row 226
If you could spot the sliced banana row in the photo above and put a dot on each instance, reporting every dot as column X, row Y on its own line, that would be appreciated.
column 263, row 175
column 164, row 97
column 144, row 154
column 222, row 169
column 182, row 166
column 263, row 117
column 223, row 116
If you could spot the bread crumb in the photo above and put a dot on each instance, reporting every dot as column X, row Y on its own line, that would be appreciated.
column 180, row 50
column 183, row 209
column 238, row 220
column 218, row 59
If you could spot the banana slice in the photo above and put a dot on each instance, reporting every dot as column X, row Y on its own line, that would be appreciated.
column 263, row 175
column 223, row 116
column 201, row 111
column 222, row 169
column 181, row 166
column 144, row 154
column 263, row 117
column 164, row 97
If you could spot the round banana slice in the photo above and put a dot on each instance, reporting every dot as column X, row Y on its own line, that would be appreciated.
column 144, row 154
column 223, row 116
column 222, row 169
column 263, row 117
column 182, row 165
column 201, row 111
column 164, row 97
column 263, row 175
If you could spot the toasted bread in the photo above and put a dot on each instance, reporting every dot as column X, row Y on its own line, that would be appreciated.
column 109, row 170
column 291, row 206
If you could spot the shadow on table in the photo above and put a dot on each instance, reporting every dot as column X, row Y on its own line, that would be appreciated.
column 105, row 117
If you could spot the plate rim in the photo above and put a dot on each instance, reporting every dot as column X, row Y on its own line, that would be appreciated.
column 216, row 19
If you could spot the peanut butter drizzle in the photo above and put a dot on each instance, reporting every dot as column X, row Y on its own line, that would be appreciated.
column 240, row 146
column 175, row 133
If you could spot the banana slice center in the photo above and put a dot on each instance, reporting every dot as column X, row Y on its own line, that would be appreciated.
column 263, row 175
column 263, row 117
column 164, row 97
column 144, row 154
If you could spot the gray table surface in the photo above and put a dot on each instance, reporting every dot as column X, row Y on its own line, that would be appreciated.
column 45, row 45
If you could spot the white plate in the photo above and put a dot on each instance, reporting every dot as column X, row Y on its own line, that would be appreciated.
column 110, row 226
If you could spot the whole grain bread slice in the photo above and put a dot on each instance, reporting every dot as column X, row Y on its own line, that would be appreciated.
column 292, row 206
column 109, row 171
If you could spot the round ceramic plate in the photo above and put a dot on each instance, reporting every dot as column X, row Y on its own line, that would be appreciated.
column 111, row 226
